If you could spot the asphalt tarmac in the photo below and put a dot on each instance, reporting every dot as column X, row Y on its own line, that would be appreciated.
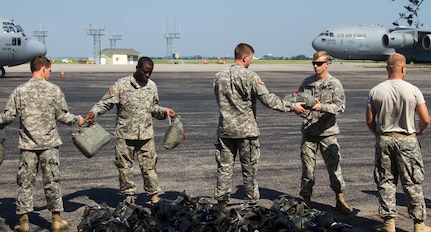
column 191, row 166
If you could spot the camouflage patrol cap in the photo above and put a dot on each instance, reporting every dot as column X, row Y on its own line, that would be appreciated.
column 301, row 97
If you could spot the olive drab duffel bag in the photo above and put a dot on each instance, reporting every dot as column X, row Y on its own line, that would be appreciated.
column 90, row 138
column 301, row 97
column 175, row 134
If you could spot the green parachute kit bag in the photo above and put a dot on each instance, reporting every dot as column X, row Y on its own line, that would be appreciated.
column 90, row 139
column 175, row 134
column 301, row 97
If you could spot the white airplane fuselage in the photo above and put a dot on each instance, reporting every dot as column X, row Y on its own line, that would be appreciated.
column 16, row 47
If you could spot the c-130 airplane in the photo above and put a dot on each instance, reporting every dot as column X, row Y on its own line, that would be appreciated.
column 15, row 46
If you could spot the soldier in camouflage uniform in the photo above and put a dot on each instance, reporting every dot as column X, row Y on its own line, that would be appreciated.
column 390, row 116
column 237, row 90
column 137, row 101
column 39, row 104
column 320, row 129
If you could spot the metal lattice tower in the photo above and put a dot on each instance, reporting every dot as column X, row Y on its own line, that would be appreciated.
column 170, row 36
column 113, row 40
column 41, row 35
column 97, row 42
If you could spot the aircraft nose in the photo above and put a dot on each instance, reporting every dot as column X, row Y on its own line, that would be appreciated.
column 316, row 43
column 36, row 48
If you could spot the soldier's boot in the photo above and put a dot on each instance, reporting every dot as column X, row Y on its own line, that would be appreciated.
column 222, row 206
column 130, row 199
column 58, row 224
column 388, row 226
column 421, row 227
column 307, row 201
column 155, row 198
column 341, row 205
column 23, row 225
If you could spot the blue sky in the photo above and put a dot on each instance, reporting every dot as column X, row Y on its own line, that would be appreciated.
column 207, row 28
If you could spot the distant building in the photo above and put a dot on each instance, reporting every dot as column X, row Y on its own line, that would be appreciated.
column 120, row 56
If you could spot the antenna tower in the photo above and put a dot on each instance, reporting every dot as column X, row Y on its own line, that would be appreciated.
column 97, row 34
column 41, row 34
column 113, row 40
column 170, row 36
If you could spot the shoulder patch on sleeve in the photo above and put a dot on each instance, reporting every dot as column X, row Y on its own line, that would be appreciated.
column 112, row 90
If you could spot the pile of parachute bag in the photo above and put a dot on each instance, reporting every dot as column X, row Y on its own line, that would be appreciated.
column 197, row 214
column 309, row 219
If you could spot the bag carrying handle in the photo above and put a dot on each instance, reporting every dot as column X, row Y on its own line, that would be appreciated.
column 171, row 119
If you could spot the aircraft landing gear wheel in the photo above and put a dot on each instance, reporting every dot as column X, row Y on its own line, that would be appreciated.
column 2, row 72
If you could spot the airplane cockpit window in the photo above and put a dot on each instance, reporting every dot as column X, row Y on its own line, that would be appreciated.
column 331, row 34
column 11, row 27
column 5, row 28
column 18, row 28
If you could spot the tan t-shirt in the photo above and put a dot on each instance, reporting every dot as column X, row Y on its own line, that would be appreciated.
column 394, row 102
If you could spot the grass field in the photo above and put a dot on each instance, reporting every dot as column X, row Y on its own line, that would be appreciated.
column 217, row 61
column 372, row 64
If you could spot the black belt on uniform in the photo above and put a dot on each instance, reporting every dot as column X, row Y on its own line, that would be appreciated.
column 398, row 134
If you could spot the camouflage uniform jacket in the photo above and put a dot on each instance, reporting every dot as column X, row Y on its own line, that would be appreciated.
column 330, row 93
column 136, row 104
column 39, row 104
column 237, row 90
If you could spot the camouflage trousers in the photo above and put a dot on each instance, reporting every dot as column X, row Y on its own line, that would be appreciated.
column 49, row 163
column 249, row 155
column 399, row 158
column 145, row 151
column 330, row 151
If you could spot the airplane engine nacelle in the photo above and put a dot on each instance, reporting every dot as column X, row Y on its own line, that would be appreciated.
column 398, row 40
column 426, row 42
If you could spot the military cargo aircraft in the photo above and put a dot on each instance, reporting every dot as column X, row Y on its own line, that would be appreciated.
column 15, row 46
column 375, row 43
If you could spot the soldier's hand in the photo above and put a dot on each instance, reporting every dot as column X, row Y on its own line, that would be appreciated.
column 298, row 107
column 89, row 116
column 318, row 106
column 170, row 112
column 80, row 120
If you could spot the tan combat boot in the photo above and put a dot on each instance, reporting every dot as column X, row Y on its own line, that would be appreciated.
column 23, row 225
column 155, row 198
column 307, row 201
column 130, row 199
column 421, row 227
column 388, row 226
column 341, row 205
column 222, row 206
column 58, row 224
